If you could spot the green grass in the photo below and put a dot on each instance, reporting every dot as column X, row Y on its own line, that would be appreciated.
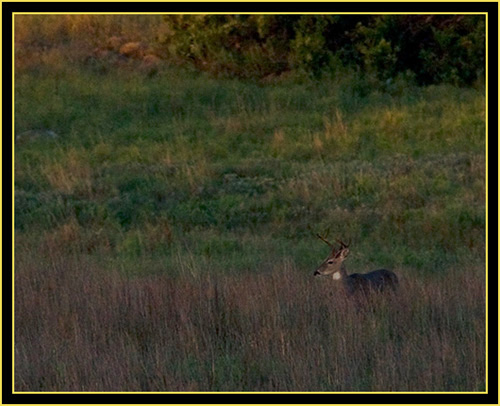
column 173, row 220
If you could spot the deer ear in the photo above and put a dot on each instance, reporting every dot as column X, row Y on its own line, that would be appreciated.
column 344, row 253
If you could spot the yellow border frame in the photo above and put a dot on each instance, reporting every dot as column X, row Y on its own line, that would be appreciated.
column 249, row 13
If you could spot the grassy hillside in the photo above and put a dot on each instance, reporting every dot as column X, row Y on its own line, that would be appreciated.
column 165, row 222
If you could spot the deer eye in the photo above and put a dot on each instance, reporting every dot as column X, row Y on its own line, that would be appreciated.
column 331, row 261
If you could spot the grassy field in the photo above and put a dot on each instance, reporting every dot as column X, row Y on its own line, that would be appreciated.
column 165, row 230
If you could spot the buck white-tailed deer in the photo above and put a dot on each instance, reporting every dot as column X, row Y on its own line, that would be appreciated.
column 372, row 281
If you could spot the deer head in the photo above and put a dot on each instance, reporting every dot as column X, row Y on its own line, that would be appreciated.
column 333, row 264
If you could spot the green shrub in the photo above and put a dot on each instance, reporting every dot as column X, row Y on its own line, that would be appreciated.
column 436, row 48
column 432, row 48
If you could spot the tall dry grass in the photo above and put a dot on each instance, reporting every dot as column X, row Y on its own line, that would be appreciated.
column 80, row 329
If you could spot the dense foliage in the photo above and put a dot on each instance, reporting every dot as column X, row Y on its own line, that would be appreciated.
column 430, row 48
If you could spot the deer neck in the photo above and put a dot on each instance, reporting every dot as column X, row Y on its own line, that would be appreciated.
column 341, row 274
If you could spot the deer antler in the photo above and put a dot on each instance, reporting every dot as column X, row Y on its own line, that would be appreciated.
column 324, row 240
column 343, row 244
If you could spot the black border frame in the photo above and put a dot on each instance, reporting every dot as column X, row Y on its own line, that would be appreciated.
column 244, row 7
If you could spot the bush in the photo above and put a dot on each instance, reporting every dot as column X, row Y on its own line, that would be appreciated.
column 240, row 45
column 433, row 48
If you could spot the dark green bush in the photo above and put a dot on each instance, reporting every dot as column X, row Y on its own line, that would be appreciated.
column 436, row 48
column 429, row 48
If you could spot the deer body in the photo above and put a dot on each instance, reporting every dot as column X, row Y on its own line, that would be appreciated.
column 364, row 283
